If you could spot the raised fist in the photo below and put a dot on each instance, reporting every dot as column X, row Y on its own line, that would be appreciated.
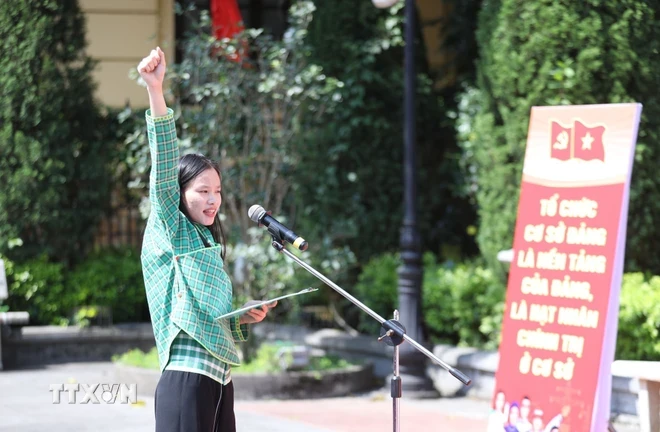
column 152, row 68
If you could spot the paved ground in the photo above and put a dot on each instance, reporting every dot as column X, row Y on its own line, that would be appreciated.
column 26, row 405
column 366, row 414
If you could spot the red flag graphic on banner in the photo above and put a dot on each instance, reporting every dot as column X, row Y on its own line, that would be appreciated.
column 588, row 142
column 560, row 147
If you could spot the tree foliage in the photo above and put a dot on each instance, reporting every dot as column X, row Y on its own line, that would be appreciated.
column 351, row 178
column 554, row 53
column 54, row 157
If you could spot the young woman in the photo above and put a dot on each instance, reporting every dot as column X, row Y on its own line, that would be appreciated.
column 187, row 287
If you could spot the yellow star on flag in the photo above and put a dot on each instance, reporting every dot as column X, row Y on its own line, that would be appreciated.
column 586, row 141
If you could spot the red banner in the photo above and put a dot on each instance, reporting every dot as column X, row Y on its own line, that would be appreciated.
column 559, row 326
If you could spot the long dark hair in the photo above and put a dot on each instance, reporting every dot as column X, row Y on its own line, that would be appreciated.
column 190, row 166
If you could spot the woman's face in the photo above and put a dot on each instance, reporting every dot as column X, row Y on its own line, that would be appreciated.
column 202, row 197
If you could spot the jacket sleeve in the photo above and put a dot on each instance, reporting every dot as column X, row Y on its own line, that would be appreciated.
column 239, row 332
column 164, row 192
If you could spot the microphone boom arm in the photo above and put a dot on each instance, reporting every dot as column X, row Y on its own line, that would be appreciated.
column 391, row 326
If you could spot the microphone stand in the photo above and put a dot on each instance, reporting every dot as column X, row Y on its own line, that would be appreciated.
column 393, row 333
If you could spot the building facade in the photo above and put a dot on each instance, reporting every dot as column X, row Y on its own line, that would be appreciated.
column 121, row 32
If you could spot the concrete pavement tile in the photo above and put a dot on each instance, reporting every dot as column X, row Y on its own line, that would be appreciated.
column 369, row 415
column 26, row 405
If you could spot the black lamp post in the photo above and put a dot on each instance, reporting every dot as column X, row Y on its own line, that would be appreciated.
column 415, row 382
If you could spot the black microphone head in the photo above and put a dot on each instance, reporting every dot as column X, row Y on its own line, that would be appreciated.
column 256, row 212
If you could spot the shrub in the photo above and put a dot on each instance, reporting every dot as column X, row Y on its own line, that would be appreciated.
column 112, row 278
column 54, row 158
column 557, row 53
column 461, row 304
column 108, row 279
column 377, row 288
column 639, row 318
column 138, row 358
column 38, row 287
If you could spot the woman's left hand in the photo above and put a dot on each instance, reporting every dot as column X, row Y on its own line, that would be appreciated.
column 257, row 314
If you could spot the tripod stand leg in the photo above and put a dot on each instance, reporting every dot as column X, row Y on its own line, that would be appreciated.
column 396, row 388
column 396, row 398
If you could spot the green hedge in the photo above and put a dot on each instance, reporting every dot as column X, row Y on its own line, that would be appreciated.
column 38, row 287
column 463, row 305
column 57, row 154
column 556, row 53
column 109, row 279
column 377, row 288
column 639, row 318
column 112, row 278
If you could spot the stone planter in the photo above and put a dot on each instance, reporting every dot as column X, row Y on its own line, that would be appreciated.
column 286, row 385
column 305, row 385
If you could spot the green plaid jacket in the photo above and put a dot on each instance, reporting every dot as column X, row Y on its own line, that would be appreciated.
column 185, row 282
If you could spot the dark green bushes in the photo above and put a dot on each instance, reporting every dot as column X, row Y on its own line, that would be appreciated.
column 107, row 284
column 550, row 53
column 55, row 158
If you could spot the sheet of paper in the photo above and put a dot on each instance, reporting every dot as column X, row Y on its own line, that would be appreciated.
column 258, row 304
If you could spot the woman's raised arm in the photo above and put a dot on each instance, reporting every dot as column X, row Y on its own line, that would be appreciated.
column 164, row 193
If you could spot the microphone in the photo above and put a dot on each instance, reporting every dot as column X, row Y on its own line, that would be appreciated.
column 259, row 215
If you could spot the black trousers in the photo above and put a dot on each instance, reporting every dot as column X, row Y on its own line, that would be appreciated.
column 191, row 402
